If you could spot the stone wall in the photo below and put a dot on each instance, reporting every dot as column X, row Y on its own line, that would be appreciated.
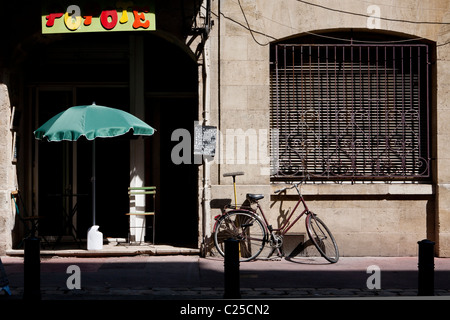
column 381, row 220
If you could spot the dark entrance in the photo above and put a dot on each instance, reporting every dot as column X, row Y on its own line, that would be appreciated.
column 177, row 222
column 87, row 68
column 171, row 102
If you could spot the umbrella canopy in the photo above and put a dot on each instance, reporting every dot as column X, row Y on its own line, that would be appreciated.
column 91, row 121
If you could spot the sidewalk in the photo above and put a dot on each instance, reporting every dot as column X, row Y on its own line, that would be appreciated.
column 179, row 277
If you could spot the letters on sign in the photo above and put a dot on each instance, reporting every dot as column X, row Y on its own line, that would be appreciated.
column 125, row 16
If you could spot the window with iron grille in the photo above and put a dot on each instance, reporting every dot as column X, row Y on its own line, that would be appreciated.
column 351, row 111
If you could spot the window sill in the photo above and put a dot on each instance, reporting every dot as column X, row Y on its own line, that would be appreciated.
column 360, row 189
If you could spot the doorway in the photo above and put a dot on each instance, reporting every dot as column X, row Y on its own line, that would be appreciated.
column 177, row 184
column 171, row 103
column 85, row 68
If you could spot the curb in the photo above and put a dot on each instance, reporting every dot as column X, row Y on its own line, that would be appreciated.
column 113, row 251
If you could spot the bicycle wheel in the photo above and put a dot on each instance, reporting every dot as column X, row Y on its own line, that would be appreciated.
column 322, row 238
column 245, row 227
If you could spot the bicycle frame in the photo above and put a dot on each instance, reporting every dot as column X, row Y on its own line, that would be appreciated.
column 286, row 226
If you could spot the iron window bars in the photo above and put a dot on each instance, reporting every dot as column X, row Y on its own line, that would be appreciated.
column 350, row 111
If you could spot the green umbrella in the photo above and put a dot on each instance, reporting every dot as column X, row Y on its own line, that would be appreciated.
column 91, row 121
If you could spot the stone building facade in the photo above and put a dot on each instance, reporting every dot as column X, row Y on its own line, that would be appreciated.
column 379, row 214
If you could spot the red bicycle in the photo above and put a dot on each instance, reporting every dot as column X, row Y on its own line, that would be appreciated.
column 250, row 227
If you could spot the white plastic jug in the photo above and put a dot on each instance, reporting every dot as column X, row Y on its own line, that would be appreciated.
column 94, row 239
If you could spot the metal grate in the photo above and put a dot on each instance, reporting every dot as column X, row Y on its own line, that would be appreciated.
column 350, row 111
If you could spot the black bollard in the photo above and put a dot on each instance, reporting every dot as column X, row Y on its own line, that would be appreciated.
column 426, row 268
column 32, row 269
column 4, row 283
column 232, row 276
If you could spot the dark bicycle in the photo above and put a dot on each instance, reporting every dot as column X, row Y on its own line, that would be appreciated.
column 250, row 227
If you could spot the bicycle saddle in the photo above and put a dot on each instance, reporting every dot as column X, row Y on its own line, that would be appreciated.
column 254, row 197
column 233, row 174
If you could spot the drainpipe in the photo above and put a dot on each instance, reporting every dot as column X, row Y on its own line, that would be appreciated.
column 206, row 119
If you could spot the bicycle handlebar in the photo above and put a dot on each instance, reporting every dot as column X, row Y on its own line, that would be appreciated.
column 294, row 185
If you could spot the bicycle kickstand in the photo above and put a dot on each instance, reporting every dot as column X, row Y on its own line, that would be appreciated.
column 279, row 254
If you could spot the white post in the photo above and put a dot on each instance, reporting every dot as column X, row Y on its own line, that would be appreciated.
column 137, row 161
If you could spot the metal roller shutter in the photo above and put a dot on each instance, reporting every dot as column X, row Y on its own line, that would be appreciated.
column 350, row 111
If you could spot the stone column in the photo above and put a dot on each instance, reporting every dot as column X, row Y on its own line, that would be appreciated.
column 7, row 217
column 442, row 120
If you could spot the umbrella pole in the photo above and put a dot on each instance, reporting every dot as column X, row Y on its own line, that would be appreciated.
column 93, row 183
column 95, row 237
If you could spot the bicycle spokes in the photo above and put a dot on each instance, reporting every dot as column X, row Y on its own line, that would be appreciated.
column 322, row 238
column 320, row 235
column 244, row 227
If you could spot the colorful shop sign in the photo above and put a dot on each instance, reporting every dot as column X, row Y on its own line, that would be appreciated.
column 98, row 16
